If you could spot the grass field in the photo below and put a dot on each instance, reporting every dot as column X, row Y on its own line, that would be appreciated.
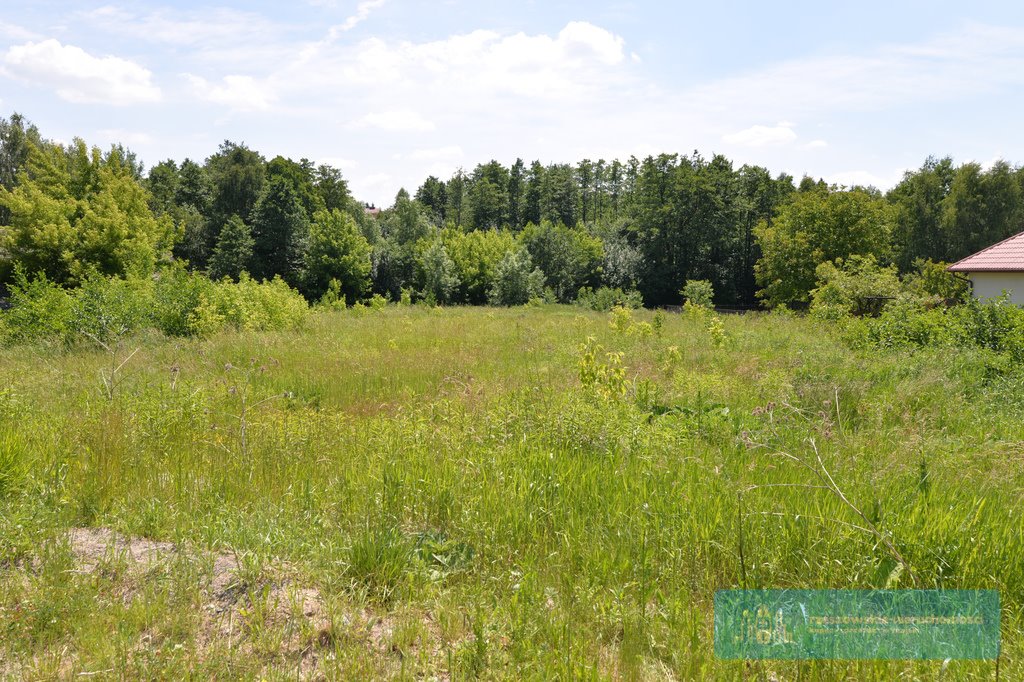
column 462, row 493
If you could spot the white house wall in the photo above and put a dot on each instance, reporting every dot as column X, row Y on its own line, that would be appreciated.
column 992, row 284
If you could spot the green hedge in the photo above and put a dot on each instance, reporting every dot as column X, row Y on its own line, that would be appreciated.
column 175, row 302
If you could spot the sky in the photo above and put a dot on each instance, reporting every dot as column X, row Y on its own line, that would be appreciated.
column 392, row 91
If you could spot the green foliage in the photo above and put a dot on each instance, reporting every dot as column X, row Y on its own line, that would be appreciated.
column 996, row 326
column 108, row 309
column 302, row 177
column 249, row 305
column 658, row 323
column 438, row 274
column 105, row 310
column 856, row 286
column 237, row 176
column 178, row 296
column 234, row 251
column 699, row 292
column 930, row 279
column 621, row 319
column 716, row 330
column 602, row 371
column 819, row 226
column 558, row 195
column 476, row 256
column 644, row 224
column 333, row 298
column 337, row 252
column 40, row 310
column 194, row 246
column 74, row 211
column 603, row 299
column 488, row 197
column 516, row 281
column 280, row 231
column 569, row 258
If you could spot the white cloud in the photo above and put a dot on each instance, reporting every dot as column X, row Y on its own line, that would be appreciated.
column 78, row 76
column 241, row 93
column 404, row 121
column 15, row 32
column 363, row 10
column 865, row 178
column 977, row 59
column 374, row 185
column 580, row 59
column 126, row 137
column 762, row 136
column 338, row 162
column 578, row 91
column 439, row 154
column 203, row 40
column 203, row 26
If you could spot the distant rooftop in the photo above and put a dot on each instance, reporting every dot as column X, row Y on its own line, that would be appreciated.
column 1006, row 256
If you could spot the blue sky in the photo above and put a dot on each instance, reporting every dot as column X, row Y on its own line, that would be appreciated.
column 394, row 90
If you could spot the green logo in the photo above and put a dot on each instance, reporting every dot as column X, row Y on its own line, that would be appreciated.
column 857, row 624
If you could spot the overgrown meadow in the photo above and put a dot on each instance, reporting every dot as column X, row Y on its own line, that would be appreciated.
column 542, row 492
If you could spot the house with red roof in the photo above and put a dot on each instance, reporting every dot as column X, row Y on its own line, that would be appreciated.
column 996, row 269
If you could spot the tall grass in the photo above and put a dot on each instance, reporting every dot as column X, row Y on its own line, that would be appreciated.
column 447, row 472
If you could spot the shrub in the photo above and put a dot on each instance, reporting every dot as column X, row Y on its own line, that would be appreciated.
column 659, row 323
column 857, row 286
column 601, row 371
column 516, row 281
column 996, row 325
column 931, row 279
column 177, row 298
column 621, row 319
column 178, row 303
column 642, row 330
column 604, row 299
column 698, row 292
column 40, row 309
column 438, row 273
column 251, row 306
column 333, row 299
column 716, row 330
column 106, row 309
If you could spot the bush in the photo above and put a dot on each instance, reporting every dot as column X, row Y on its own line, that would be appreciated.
column 251, row 306
column 996, row 325
column 178, row 296
column 40, row 309
column 106, row 309
column 333, row 299
column 516, row 281
column 858, row 286
column 931, row 279
column 438, row 274
column 604, row 299
column 698, row 292
column 178, row 303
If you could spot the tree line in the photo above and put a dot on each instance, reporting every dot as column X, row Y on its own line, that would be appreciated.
column 500, row 234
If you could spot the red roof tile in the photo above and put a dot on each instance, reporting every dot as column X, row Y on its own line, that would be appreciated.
column 1006, row 256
